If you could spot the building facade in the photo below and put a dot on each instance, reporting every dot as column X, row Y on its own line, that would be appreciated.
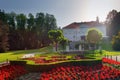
column 77, row 31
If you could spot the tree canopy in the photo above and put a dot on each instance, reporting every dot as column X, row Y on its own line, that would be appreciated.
column 113, row 23
column 94, row 36
column 56, row 36
column 28, row 31
column 116, row 42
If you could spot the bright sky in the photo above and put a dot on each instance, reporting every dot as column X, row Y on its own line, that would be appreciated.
column 65, row 11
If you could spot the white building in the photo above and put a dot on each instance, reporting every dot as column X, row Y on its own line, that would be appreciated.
column 78, row 31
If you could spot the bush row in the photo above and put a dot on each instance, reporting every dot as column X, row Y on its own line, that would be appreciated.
column 47, row 67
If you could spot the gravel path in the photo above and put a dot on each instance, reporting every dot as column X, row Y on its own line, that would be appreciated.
column 30, row 76
column 28, row 55
column 31, row 54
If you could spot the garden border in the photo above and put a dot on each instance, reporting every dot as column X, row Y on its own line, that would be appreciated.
column 47, row 67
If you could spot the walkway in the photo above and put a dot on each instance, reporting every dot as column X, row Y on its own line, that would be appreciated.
column 30, row 76
column 28, row 55
column 31, row 54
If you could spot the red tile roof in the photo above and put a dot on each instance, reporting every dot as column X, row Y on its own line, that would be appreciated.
column 77, row 25
column 72, row 25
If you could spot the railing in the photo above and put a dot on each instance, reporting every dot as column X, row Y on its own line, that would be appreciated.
column 116, row 58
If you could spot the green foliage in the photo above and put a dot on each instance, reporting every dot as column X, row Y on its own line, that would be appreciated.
column 116, row 42
column 106, row 44
column 56, row 36
column 113, row 23
column 63, row 42
column 30, row 21
column 21, row 21
column 28, row 32
column 94, row 36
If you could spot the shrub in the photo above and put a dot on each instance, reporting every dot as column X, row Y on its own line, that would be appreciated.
column 116, row 42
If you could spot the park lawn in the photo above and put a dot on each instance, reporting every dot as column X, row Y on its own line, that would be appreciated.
column 112, row 53
column 14, row 55
column 47, row 51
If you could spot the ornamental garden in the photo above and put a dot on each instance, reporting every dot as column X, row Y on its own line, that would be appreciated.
column 58, row 66
column 37, row 52
column 56, row 63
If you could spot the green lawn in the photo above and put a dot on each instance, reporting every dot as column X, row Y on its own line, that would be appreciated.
column 14, row 55
column 106, row 45
column 47, row 51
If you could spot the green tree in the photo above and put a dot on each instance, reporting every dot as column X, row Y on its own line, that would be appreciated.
column 56, row 36
column 11, row 20
column 21, row 21
column 28, row 32
column 12, row 30
column 21, row 30
column 110, row 23
column 30, row 21
column 3, row 16
column 63, row 42
column 115, row 24
column 94, row 36
column 116, row 42
column 50, row 24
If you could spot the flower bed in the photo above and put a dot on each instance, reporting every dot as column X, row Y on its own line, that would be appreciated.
column 10, row 72
column 97, row 72
column 40, row 60
column 45, row 59
column 110, row 61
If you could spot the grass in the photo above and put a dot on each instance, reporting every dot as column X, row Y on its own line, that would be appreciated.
column 112, row 53
column 14, row 55
column 47, row 51
column 106, row 45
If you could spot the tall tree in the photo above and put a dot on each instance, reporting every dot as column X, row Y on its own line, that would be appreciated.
column 30, row 21
column 109, row 20
column 4, row 46
column 21, row 21
column 11, row 20
column 12, row 30
column 3, row 16
column 21, row 30
column 116, row 42
column 115, row 24
column 28, row 32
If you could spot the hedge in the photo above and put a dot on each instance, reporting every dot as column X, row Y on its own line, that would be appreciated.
column 47, row 67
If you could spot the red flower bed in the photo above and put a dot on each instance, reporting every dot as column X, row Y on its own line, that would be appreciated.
column 10, row 72
column 110, row 61
column 40, row 60
column 98, row 72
